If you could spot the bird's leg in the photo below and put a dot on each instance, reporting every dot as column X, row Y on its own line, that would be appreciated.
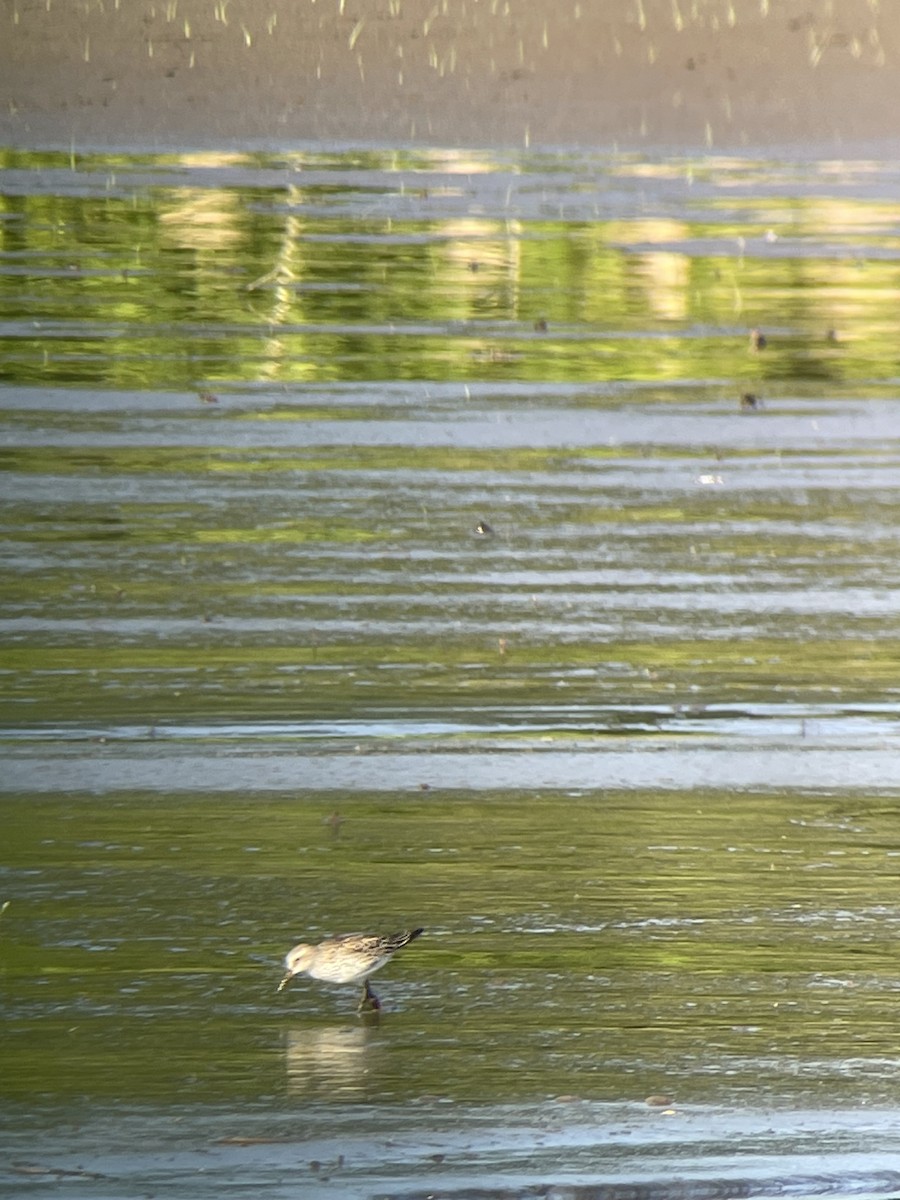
column 369, row 998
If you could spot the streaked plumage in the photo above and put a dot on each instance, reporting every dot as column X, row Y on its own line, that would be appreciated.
column 348, row 958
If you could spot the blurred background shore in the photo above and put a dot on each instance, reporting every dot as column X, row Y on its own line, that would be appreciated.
column 808, row 77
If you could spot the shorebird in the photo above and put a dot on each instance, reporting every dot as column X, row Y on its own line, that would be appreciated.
column 347, row 958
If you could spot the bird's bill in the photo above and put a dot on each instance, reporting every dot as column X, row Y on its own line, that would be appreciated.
column 287, row 979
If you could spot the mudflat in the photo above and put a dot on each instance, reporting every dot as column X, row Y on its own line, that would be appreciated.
column 806, row 76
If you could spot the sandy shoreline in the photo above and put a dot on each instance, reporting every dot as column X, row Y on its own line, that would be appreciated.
column 812, row 77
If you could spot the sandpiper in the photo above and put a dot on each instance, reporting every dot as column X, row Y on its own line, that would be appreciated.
column 347, row 958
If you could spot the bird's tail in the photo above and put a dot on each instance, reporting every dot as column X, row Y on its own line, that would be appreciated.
column 397, row 940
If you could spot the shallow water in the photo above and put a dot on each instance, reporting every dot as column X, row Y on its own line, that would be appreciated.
column 629, row 753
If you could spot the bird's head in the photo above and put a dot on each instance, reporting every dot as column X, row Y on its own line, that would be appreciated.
column 296, row 961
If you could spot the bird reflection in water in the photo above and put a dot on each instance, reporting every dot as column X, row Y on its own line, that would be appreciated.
column 336, row 1060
